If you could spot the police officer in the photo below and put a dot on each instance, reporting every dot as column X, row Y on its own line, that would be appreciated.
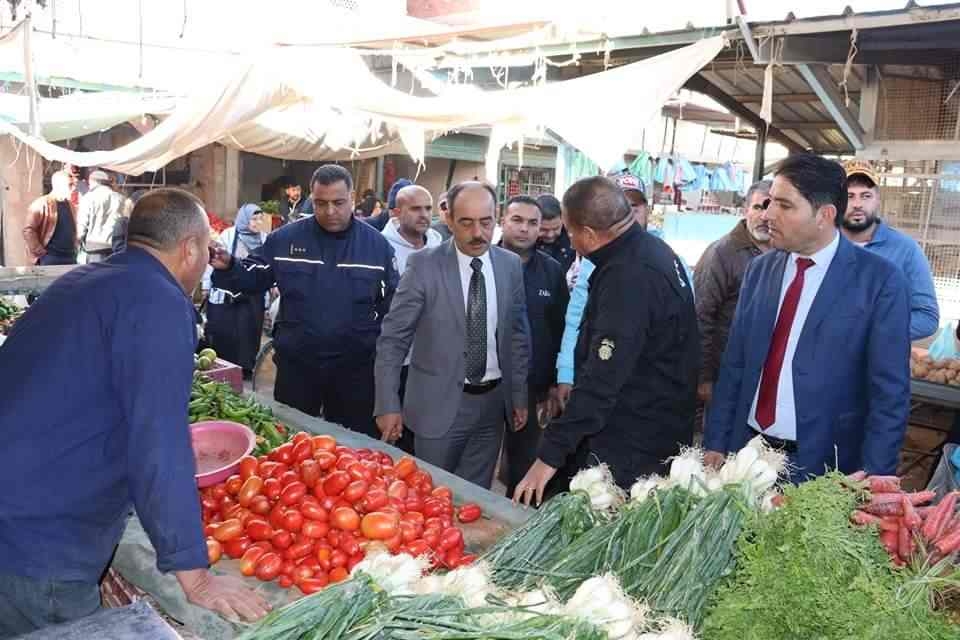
column 554, row 239
column 336, row 277
column 547, row 296
column 638, row 351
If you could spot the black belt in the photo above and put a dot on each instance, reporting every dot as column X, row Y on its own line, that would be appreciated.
column 790, row 446
column 482, row 388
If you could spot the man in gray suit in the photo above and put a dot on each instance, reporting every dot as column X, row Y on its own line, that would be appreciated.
column 462, row 307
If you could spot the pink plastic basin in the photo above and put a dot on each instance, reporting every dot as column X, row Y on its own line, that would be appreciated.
column 218, row 446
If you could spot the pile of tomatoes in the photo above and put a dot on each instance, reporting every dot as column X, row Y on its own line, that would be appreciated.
column 306, row 513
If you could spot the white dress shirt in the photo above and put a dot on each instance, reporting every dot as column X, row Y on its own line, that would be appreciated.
column 784, row 426
column 466, row 272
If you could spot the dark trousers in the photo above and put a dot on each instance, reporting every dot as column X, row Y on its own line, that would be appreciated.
column 52, row 259
column 520, row 452
column 471, row 447
column 234, row 330
column 28, row 604
column 341, row 393
column 406, row 441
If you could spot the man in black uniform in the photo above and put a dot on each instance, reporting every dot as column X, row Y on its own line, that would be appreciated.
column 554, row 239
column 638, row 352
column 547, row 296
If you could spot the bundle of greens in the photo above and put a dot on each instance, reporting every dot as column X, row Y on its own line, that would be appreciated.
column 519, row 559
column 327, row 614
column 803, row 571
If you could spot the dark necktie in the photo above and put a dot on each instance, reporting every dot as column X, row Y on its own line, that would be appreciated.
column 767, row 398
column 476, row 324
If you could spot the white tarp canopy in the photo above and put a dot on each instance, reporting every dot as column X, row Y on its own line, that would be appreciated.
column 306, row 103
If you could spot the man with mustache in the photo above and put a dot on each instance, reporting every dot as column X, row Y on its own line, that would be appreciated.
column 461, row 306
column 717, row 282
column 817, row 362
column 863, row 226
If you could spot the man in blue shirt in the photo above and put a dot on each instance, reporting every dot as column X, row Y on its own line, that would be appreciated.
column 94, row 422
column 336, row 277
column 863, row 226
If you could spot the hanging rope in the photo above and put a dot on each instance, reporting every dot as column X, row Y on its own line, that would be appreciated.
column 848, row 66
column 183, row 28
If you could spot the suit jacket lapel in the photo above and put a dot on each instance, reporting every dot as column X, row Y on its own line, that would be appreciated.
column 453, row 285
column 502, row 282
column 771, row 303
column 833, row 285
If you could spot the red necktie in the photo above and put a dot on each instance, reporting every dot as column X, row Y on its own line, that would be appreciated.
column 767, row 398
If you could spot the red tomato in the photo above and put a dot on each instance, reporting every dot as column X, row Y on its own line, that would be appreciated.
column 302, row 451
column 349, row 545
column 248, row 466
column 259, row 529
column 345, row 461
column 355, row 491
column 248, row 563
column 328, row 503
column 339, row 574
column 299, row 549
column 384, row 459
column 293, row 493
column 358, row 472
column 434, row 523
column 453, row 557
column 292, row 520
column 324, row 443
column 279, row 470
column 467, row 559
column 325, row 459
column 314, row 529
column 301, row 572
column 214, row 551
column 228, row 530
column 398, row 489
column 313, row 511
column 268, row 567
column 218, row 491
column 338, row 558
column 450, row 539
column 335, row 483
column 415, row 517
column 281, row 539
column 380, row 525
column 300, row 436
column 283, row 453
column 266, row 469
column 314, row 583
column 333, row 537
column 233, row 484
column 409, row 531
column 413, row 502
column 405, row 467
column 432, row 508
column 285, row 582
column 432, row 537
column 443, row 493
column 237, row 547
column 354, row 560
column 417, row 548
column 287, row 568
column 416, row 478
column 251, row 487
column 393, row 544
column 272, row 488
column 289, row 478
column 225, row 503
column 375, row 500
column 323, row 557
column 276, row 516
column 345, row 518
column 208, row 503
column 309, row 473
column 260, row 505
column 469, row 512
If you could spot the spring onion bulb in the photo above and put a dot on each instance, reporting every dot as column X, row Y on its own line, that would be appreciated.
column 397, row 575
column 687, row 472
column 597, row 482
column 471, row 584
column 601, row 601
column 644, row 487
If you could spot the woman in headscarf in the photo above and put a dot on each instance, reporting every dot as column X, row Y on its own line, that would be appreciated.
column 235, row 320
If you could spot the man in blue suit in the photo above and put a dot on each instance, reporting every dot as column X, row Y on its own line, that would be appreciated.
column 818, row 356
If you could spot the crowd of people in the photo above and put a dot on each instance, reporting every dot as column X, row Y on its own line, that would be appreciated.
column 558, row 332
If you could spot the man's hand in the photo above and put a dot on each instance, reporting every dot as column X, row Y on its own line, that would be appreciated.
column 562, row 396
column 534, row 483
column 220, row 258
column 714, row 459
column 228, row 596
column 519, row 418
column 705, row 392
column 391, row 426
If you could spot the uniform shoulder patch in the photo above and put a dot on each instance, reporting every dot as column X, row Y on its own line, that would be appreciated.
column 605, row 351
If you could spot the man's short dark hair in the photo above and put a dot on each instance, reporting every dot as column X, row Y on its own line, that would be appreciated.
column 163, row 217
column 596, row 202
column 550, row 206
column 462, row 186
column 861, row 180
column 820, row 181
column 523, row 200
column 763, row 186
column 328, row 174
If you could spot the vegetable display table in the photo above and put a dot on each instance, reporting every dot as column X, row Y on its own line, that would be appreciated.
column 135, row 559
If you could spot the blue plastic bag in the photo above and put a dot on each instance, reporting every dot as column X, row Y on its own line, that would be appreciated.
column 945, row 345
column 955, row 460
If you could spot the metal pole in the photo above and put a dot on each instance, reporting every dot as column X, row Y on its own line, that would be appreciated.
column 760, row 154
column 28, row 75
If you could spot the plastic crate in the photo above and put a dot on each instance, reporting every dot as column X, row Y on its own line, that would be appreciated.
column 223, row 371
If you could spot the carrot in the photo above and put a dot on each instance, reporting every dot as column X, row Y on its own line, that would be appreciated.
column 890, row 541
column 923, row 512
column 949, row 542
column 905, row 542
column 885, row 509
column 863, row 518
column 857, row 476
column 921, row 497
column 884, row 484
column 885, row 498
column 911, row 519
column 889, row 523
column 940, row 518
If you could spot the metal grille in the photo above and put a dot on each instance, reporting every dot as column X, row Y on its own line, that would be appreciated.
column 925, row 106
column 922, row 199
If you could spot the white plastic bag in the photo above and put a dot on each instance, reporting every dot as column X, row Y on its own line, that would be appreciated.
column 945, row 346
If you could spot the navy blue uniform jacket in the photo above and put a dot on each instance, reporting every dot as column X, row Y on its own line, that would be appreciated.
column 851, row 371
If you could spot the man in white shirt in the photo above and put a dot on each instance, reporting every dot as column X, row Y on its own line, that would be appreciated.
column 818, row 357
column 100, row 208
column 461, row 306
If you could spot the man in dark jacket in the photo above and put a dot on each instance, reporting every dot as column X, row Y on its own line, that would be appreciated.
column 554, row 240
column 547, row 297
column 293, row 205
column 717, row 282
column 637, row 353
